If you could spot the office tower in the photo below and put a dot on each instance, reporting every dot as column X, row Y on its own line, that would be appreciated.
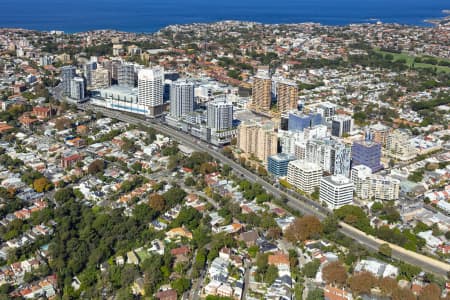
column 150, row 89
column 299, row 121
column 336, row 191
column 88, row 70
column 78, row 88
column 341, row 125
column 304, row 175
column 378, row 133
column 219, row 115
column 67, row 74
column 278, row 164
column 262, row 91
column 367, row 153
column 259, row 139
column 399, row 147
column 181, row 98
column 287, row 95
column 126, row 75
column 372, row 186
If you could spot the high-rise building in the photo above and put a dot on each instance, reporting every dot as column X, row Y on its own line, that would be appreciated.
column 181, row 98
column 367, row 153
column 299, row 121
column 67, row 74
column 398, row 146
column 78, row 89
column 150, row 89
column 327, row 110
column 127, row 75
column 378, row 133
column 259, row 139
column 88, row 70
column 262, row 91
column 287, row 95
column 336, row 191
column 361, row 181
column 372, row 186
column 101, row 78
column 220, row 114
column 333, row 156
column 304, row 175
column 341, row 125
column 278, row 164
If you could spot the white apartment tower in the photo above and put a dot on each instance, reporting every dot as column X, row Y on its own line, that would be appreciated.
column 151, row 89
column 220, row 115
column 304, row 175
column 181, row 98
column 336, row 191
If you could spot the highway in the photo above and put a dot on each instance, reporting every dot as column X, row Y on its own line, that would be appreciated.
column 300, row 203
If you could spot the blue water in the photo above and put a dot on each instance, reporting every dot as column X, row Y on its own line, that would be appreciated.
column 151, row 15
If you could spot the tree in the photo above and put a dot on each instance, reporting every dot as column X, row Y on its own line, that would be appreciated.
column 157, row 202
column 409, row 271
column 310, row 269
column 181, row 285
column 174, row 196
column 334, row 273
column 189, row 217
column 189, row 181
column 330, row 224
column 362, row 283
column 64, row 195
column 385, row 249
column 96, row 166
column 403, row 294
column 316, row 294
column 271, row 274
column 387, row 285
column 42, row 185
column 303, row 228
column 430, row 292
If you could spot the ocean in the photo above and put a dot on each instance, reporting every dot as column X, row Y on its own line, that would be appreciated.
column 151, row 15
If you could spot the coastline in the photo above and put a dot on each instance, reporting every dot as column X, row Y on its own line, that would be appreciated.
column 426, row 23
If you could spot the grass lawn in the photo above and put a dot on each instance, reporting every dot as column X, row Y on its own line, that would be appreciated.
column 410, row 60
column 142, row 254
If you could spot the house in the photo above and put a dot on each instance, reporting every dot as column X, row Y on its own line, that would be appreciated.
column 376, row 268
column 181, row 254
column 167, row 295
column 278, row 259
column 225, row 290
column 70, row 160
column 42, row 112
column 249, row 238
column 120, row 260
column 431, row 241
column 27, row 121
column 179, row 232
column 334, row 293
column 138, row 287
column 5, row 127
column 132, row 258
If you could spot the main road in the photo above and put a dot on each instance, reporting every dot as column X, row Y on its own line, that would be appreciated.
column 300, row 203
